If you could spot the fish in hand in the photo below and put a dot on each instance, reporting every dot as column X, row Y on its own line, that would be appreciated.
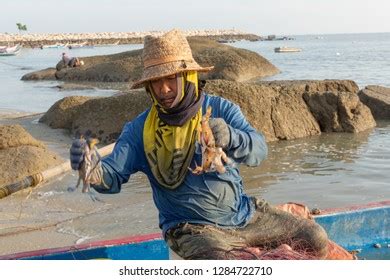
column 88, row 166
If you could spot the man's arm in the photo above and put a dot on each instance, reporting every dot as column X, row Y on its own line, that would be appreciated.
column 246, row 145
column 122, row 162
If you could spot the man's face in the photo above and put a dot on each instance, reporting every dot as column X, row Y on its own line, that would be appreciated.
column 165, row 90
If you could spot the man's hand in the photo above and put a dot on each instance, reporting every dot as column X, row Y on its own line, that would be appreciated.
column 77, row 151
column 220, row 131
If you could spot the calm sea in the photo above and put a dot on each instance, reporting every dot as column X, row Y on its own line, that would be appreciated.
column 325, row 171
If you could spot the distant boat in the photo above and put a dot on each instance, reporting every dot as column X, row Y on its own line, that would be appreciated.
column 286, row 50
column 79, row 45
column 53, row 46
column 109, row 45
column 8, row 51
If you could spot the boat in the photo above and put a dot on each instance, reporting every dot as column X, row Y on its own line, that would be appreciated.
column 363, row 229
column 286, row 50
column 8, row 51
column 78, row 45
column 141, row 247
column 109, row 45
column 53, row 46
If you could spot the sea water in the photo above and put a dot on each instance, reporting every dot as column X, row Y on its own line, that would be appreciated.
column 330, row 170
column 38, row 96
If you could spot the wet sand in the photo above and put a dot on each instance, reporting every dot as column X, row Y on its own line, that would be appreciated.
column 49, row 216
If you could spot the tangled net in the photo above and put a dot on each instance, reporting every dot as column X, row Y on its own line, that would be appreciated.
column 294, row 251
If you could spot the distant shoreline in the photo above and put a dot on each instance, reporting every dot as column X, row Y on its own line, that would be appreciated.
column 38, row 40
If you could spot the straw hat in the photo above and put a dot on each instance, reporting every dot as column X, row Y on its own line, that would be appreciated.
column 167, row 55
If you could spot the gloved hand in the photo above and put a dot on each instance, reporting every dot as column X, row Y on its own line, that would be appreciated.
column 77, row 151
column 220, row 131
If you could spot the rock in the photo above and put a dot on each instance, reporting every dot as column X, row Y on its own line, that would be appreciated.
column 22, row 155
column 278, row 115
column 45, row 74
column 61, row 65
column 73, row 86
column 339, row 112
column 377, row 98
column 300, row 86
column 282, row 111
column 62, row 113
column 102, row 118
column 230, row 64
column 14, row 135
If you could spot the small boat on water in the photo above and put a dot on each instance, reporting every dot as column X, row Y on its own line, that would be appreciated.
column 53, row 46
column 9, row 51
column 79, row 45
column 364, row 229
column 109, row 45
column 286, row 50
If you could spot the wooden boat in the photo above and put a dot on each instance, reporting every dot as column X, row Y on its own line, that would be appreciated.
column 363, row 229
column 8, row 51
column 286, row 50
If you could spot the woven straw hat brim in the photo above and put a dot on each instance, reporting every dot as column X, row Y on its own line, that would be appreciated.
column 167, row 69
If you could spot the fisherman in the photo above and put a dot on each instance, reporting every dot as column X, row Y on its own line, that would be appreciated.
column 67, row 61
column 204, row 215
column 65, row 58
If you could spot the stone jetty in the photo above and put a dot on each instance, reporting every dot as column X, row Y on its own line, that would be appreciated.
column 39, row 39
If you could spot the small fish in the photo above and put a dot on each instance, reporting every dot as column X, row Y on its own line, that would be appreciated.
column 90, row 162
column 213, row 158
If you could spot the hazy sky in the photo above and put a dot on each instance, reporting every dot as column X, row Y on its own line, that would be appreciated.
column 261, row 17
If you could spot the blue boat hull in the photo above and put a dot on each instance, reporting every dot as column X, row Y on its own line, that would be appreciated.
column 359, row 228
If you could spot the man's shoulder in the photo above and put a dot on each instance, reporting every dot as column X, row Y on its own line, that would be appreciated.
column 138, row 122
column 217, row 103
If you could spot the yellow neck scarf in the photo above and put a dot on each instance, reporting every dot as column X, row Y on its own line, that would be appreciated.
column 169, row 149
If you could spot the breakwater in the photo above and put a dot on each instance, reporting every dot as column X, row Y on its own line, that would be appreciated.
column 35, row 40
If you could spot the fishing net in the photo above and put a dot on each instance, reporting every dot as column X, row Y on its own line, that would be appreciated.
column 209, row 242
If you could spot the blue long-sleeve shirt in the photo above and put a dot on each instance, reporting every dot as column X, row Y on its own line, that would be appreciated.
column 209, row 198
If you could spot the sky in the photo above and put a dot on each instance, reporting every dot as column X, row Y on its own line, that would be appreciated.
column 261, row 17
